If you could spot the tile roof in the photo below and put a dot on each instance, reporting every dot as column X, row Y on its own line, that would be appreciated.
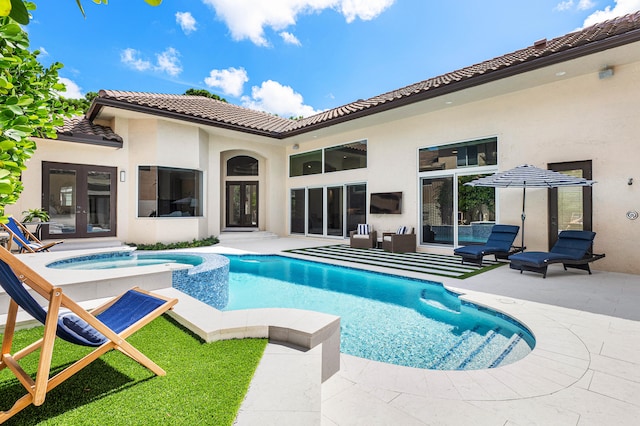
column 81, row 129
column 599, row 37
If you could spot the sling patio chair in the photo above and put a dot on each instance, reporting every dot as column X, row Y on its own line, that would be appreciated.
column 26, row 241
column 573, row 250
column 104, row 328
column 499, row 244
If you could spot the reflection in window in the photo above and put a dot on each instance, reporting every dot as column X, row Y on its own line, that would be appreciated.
column 482, row 152
column 346, row 157
column 169, row 192
column 307, row 163
column 242, row 165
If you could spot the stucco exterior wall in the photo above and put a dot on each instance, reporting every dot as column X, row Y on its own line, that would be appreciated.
column 573, row 119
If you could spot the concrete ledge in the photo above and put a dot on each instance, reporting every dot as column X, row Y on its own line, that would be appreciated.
column 302, row 329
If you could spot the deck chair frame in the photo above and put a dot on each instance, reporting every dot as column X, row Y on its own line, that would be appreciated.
column 26, row 239
column 38, row 388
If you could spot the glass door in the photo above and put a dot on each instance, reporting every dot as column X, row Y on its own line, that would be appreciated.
column 335, row 211
column 242, row 204
column 570, row 207
column 80, row 200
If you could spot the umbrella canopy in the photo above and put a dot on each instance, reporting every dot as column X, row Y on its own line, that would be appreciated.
column 528, row 176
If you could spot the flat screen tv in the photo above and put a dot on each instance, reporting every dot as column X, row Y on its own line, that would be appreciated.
column 386, row 203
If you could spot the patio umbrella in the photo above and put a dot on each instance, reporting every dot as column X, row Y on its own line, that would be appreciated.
column 528, row 176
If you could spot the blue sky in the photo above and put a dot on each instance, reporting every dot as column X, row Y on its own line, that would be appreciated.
column 291, row 57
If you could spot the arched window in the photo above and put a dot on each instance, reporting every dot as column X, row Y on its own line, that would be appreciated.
column 242, row 165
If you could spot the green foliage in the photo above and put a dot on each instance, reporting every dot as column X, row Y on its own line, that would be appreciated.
column 29, row 106
column 78, row 105
column 31, row 214
column 205, row 93
column 205, row 382
column 206, row 242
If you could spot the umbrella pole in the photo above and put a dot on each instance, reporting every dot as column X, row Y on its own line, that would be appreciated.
column 523, row 215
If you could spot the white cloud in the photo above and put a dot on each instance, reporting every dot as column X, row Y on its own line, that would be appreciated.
column 247, row 19
column 231, row 81
column 564, row 5
column 622, row 7
column 275, row 98
column 186, row 21
column 168, row 62
column 290, row 38
column 363, row 9
column 130, row 57
column 586, row 4
column 73, row 90
column 43, row 51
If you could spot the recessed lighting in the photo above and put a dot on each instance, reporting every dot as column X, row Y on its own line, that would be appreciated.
column 560, row 73
column 448, row 102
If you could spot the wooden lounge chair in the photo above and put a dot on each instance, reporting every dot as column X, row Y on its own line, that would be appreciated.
column 26, row 241
column 105, row 328
column 499, row 244
column 400, row 241
column 363, row 237
column 573, row 250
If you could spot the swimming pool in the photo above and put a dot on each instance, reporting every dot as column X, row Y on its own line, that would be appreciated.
column 384, row 318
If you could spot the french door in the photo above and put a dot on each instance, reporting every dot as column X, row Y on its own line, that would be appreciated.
column 242, row 204
column 80, row 199
column 570, row 207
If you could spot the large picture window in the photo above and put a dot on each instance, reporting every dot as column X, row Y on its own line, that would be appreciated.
column 477, row 153
column 169, row 192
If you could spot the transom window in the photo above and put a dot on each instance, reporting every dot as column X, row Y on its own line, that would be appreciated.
column 242, row 165
column 477, row 153
column 334, row 159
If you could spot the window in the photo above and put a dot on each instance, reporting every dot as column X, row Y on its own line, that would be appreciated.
column 308, row 163
column 346, row 157
column 242, row 165
column 338, row 158
column 169, row 192
column 478, row 153
column 452, row 212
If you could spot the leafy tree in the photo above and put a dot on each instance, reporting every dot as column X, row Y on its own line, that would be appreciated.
column 79, row 105
column 29, row 106
column 205, row 93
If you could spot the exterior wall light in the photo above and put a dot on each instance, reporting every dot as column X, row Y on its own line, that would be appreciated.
column 123, row 176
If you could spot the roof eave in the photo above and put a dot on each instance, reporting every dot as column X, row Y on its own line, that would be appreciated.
column 488, row 77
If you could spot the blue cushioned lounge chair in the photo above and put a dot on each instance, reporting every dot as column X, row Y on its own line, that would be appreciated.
column 104, row 328
column 499, row 244
column 573, row 250
column 26, row 241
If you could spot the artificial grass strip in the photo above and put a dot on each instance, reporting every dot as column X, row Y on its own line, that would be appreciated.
column 205, row 382
column 427, row 263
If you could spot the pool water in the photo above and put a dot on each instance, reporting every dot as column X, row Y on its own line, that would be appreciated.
column 125, row 259
column 384, row 318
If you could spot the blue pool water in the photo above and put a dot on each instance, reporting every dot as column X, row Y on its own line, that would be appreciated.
column 383, row 317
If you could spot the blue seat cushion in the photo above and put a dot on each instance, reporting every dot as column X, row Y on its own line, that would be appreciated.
column 477, row 250
column 538, row 258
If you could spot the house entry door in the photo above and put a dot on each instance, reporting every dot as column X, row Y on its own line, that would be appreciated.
column 242, row 204
column 80, row 199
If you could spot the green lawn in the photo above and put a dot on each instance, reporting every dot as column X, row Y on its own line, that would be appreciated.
column 205, row 382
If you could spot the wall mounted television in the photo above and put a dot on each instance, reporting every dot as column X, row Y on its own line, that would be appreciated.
column 386, row 203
